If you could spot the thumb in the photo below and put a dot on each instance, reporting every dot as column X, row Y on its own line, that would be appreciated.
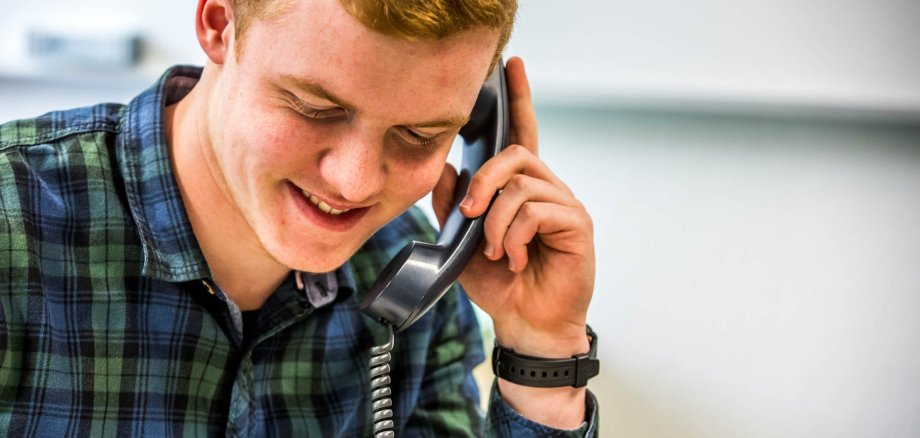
column 442, row 198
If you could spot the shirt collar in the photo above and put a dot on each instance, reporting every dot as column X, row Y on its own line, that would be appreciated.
column 168, row 244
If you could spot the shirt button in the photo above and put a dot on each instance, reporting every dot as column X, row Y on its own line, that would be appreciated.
column 208, row 286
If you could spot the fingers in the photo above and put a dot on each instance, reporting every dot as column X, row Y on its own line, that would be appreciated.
column 495, row 174
column 523, row 117
column 442, row 197
column 519, row 191
column 533, row 218
column 533, row 201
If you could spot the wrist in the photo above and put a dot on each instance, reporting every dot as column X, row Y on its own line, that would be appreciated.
column 560, row 408
column 547, row 372
column 548, row 389
column 561, row 342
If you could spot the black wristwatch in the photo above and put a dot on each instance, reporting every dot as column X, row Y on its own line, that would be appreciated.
column 546, row 373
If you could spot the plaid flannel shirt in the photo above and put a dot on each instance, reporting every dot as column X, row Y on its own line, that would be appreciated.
column 110, row 323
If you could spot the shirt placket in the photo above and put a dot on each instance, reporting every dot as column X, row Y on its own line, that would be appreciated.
column 288, row 305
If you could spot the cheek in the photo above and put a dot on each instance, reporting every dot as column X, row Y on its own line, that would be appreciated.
column 417, row 179
column 278, row 142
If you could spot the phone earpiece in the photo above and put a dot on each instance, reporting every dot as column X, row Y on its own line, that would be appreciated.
column 422, row 272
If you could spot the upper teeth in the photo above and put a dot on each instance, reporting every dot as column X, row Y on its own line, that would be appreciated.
column 324, row 206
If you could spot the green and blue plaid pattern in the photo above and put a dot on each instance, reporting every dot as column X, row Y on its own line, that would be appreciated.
column 110, row 324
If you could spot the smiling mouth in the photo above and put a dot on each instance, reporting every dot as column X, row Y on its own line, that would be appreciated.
column 324, row 207
column 323, row 214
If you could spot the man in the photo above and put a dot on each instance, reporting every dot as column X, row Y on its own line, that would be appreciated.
column 156, row 257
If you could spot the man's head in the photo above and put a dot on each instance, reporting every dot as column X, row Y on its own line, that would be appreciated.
column 321, row 130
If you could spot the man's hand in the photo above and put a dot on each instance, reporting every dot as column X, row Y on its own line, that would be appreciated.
column 535, row 272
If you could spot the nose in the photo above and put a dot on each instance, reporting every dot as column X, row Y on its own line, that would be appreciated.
column 354, row 167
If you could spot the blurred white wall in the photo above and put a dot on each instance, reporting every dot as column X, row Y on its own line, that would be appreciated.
column 756, row 278
column 827, row 54
column 752, row 168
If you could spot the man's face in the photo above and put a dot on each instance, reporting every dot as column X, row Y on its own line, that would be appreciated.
column 322, row 131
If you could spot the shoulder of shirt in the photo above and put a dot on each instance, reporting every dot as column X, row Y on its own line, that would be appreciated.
column 385, row 243
column 55, row 126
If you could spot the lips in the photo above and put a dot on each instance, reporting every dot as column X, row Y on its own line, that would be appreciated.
column 319, row 212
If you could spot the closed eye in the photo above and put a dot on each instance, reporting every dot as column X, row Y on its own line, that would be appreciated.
column 321, row 114
column 317, row 114
column 416, row 139
column 311, row 112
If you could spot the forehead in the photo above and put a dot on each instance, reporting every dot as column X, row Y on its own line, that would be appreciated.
column 318, row 41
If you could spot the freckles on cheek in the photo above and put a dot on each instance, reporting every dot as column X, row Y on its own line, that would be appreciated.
column 272, row 145
column 282, row 143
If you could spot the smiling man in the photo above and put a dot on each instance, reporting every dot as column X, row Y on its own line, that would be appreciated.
column 193, row 262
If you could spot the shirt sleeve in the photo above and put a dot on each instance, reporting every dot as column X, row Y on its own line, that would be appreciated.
column 503, row 421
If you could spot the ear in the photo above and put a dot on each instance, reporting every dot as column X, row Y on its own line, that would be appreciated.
column 214, row 26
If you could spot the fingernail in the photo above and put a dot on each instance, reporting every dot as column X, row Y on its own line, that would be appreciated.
column 467, row 202
column 489, row 252
column 511, row 265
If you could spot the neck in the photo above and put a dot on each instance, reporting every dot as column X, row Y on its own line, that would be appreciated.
column 240, row 265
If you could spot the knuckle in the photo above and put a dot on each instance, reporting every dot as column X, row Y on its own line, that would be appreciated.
column 518, row 151
column 518, row 182
column 529, row 211
column 478, row 180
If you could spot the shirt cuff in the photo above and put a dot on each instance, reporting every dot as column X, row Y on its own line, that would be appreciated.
column 503, row 420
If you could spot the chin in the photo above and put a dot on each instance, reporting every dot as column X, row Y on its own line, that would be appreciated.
column 313, row 260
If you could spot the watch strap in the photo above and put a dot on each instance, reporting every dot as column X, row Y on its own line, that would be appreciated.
column 543, row 372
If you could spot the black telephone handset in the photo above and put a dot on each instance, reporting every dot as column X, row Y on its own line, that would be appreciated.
column 422, row 272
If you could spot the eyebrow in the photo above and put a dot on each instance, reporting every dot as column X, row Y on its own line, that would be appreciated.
column 318, row 91
column 444, row 123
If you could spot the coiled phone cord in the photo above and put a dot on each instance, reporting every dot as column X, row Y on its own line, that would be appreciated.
column 381, row 404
